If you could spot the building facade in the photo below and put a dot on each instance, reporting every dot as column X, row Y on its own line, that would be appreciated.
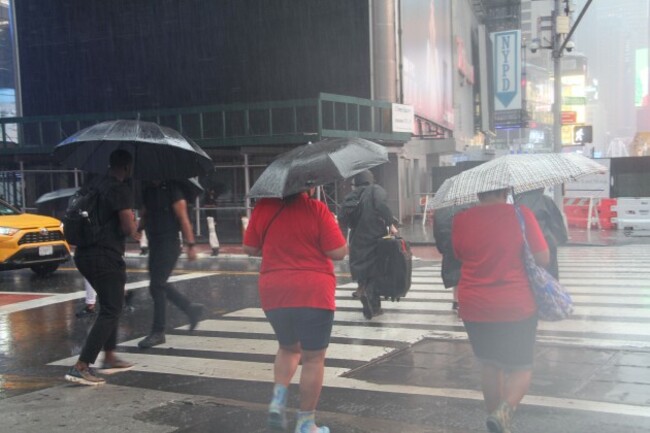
column 249, row 79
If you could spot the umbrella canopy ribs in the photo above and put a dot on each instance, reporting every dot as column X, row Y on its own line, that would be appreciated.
column 520, row 172
column 317, row 164
column 159, row 153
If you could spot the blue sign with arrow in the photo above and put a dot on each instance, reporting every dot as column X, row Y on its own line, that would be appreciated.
column 507, row 70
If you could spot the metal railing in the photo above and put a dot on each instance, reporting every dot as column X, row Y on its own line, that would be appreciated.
column 262, row 123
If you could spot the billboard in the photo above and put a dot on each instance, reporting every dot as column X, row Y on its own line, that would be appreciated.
column 427, row 59
column 507, row 69
column 133, row 56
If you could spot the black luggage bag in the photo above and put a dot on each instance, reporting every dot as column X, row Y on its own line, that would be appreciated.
column 393, row 267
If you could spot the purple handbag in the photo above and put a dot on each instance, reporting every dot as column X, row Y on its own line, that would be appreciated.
column 553, row 301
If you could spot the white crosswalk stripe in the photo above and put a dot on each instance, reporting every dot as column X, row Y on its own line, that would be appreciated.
column 610, row 285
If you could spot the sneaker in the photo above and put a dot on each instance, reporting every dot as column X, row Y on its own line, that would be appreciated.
column 311, row 428
column 83, row 377
column 277, row 421
column 195, row 312
column 116, row 366
column 499, row 420
column 151, row 340
column 277, row 417
column 86, row 311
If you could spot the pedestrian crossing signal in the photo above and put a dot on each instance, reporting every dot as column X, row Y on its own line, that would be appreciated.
column 582, row 134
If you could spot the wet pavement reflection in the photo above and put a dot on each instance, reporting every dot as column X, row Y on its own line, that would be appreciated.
column 410, row 370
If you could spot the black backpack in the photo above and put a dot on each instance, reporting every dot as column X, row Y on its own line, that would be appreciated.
column 350, row 212
column 82, row 223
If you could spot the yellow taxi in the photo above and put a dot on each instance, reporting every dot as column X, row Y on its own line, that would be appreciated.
column 30, row 241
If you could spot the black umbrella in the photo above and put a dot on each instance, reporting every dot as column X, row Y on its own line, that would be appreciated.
column 55, row 203
column 59, row 194
column 317, row 164
column 159, row 153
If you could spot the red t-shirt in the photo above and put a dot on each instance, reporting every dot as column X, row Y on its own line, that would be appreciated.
column 295, row 271
column 493, row 285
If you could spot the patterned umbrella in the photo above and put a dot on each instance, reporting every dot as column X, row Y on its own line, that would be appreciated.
column 520, row 172
column 317, row 164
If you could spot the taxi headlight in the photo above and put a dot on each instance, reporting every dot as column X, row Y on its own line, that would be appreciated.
column 8, row 231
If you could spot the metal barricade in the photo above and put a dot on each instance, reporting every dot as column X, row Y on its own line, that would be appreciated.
column 633, row 214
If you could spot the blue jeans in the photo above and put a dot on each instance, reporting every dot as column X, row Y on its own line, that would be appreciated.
column 106, row 273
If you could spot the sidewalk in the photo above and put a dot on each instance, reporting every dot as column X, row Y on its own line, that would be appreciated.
column 423, row 243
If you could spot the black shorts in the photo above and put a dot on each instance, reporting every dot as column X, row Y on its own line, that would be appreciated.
column 507, row 345
column 312, row 327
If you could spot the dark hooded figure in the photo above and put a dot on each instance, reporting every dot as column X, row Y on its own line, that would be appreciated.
column 550, row 221
column 450, row 269
column 375, row 221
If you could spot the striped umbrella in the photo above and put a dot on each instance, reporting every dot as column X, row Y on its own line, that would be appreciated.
column 520, row 172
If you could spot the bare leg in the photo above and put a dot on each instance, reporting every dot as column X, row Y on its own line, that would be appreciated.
column 516, row 387
column 492, row 379
column 286, row 363
column 311, row 378
column 109, row 356
column 80, row 365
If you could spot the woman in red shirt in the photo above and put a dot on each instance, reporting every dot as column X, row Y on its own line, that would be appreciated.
column 297, row 238
column 495, row 299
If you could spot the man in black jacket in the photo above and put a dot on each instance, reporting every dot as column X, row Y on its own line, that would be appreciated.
column 375, row 220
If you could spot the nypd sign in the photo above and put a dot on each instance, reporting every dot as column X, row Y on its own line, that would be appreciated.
column 507, row 69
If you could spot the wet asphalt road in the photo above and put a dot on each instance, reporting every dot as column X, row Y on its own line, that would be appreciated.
column 410, row 370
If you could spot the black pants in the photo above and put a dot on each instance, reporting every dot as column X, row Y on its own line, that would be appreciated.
column 369, row 287
column 163, row 254
column 107, row 275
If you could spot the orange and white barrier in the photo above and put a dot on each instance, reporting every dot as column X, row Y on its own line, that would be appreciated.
column 580, row 212
column 590, row 212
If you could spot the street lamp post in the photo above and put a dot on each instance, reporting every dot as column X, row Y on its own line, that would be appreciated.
column 557, row 94
column 560, row 41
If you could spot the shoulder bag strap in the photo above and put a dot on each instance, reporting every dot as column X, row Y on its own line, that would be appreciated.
column 269, row 224
column 522, row 223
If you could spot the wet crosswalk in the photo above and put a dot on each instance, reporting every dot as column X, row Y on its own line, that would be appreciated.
column 610, row 286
